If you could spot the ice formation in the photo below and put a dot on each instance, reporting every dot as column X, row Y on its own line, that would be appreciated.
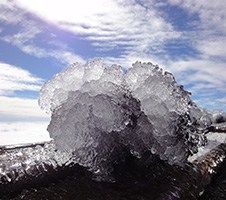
column 98, row 112
column 219, row 116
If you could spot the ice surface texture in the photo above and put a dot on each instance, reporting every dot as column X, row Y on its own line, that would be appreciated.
column 98, row 111
column 219, row 116
column 20, row 163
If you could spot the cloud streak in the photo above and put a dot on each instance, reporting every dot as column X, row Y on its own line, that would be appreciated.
column 24, row 42
column 123, row 31
column 210, row 28
column 13, row 78
column 108, row 22
column 17, row 109
column 29, row 30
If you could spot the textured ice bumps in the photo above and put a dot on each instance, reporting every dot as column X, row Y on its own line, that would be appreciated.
column 97, row 111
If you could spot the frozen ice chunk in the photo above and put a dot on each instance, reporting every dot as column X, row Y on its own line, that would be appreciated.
column 166, row 105
column 55, row 92
column 98, row 111
column 219, row 116
column 91, row 126
column 201, row 116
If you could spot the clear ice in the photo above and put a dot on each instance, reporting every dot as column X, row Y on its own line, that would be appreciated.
column 219, row 116
column 98, row 111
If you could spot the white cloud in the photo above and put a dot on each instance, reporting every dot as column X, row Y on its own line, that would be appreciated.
column 223, row 100
column 210, row 34
column 205, row 79
column 202, row 74
column 28, row 32
column 25, row 38
column 12, row 133
column 213, row 47
column 127, row 60
column 139, row 31
column 111, row 22
column 66, row 57
column 13, row 78
column 207, row 102
column 137, row 28
column 210, row 13
column 16, row 108
column 22, row 41
column 9, row 13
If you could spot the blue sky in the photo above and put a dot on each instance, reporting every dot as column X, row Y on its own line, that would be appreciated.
column 40, row 38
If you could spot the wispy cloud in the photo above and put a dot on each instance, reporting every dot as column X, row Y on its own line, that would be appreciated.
column 111, row 23
column 200, row 76
column 134, row 28
column 9, row 13
column 132, row 31
column 200, row 70
column 20, row 108
column 13, row 78
column 25, row 43
column 206, row 11
column 214, row 46
column 210, row 34
column 27, row 34
column 66, row 57
column 223, row 100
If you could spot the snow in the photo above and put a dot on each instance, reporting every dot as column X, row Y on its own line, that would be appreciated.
column 14, row 133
